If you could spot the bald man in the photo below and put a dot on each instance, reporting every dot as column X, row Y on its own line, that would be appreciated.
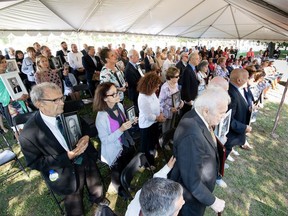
column 241, row 107
column 219, row 81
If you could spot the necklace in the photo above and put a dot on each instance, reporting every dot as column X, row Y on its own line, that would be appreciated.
column 172, row 85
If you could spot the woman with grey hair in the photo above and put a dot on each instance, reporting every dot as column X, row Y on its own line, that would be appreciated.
column 202, row 75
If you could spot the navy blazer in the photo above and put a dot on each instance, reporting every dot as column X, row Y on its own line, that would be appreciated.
column 239, row 118
column 132, row 76
column 197, row 161
column 90, row 67
column 43, row 152
column 181, row 67
column 61, row 54
column 190, row 84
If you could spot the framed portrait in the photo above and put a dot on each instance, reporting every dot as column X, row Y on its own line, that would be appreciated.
column 13, row 84
column 72, row 128
column 120, row 77
column 130, row 113
column 223, row 128
column 176, row 99
column 12, row 66
column 57, row 62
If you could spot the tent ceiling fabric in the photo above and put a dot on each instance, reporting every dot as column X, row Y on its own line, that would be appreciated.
column 225, row 19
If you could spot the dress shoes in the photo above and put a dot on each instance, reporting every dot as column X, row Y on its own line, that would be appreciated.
column 221, row 183
column 246, row 146
column 229, row 158
column 236, row 153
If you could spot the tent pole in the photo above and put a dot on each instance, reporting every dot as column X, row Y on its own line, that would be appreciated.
column 279, row 110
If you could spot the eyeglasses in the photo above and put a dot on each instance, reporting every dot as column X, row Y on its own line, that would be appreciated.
column 57, row 100
column 114, row 95
column 176, row 77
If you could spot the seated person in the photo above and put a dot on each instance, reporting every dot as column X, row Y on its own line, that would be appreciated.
column 65, row 169
column 134, row 206
column 161, row 196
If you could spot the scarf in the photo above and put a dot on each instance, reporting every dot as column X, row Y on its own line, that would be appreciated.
column 120, row 119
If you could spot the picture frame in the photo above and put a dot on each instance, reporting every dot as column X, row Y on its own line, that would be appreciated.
column 131, row 114
column 12, row 66
column 57, row 63
column 72, row 128
column 121, row 78
column 223, row 127
column 176, row 99
column 14, row 85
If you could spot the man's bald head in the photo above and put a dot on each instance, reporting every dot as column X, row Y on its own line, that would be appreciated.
column 219, row 81
column 239, row 77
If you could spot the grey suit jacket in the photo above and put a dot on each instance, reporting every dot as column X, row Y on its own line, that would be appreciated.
column 197, row 160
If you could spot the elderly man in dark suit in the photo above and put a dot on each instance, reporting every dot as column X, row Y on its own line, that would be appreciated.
column 241, row 107
column 45, row 149
column 181, row 65
column 195, row 149
column 92, row 65
column 133, row 74
column 189, row 89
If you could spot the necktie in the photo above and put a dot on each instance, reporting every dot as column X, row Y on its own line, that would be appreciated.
column 139, row 70
column 60, row 127
column 213, row 136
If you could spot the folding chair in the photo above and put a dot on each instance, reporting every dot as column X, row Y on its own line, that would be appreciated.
column 8, row 155
column 21, row 119
column 84, row 88
column 73, row 105
column 134, row 166
column 164, row 141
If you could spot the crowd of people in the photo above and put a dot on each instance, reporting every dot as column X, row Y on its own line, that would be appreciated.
column 189, row 90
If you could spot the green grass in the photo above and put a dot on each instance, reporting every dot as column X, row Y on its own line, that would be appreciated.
column 257, row 180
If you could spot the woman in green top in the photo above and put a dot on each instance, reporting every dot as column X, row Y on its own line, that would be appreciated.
column 9, row 108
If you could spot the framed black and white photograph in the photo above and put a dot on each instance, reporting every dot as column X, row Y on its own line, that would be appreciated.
column 130, row 113
column 176, row 99
column 72, row 128
column 14, row 85
column 224, row 125
column 121, row 79
column 12, row 66
column 57, row 62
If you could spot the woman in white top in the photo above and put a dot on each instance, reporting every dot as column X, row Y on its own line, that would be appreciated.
column 149, row 114
column 202, row 75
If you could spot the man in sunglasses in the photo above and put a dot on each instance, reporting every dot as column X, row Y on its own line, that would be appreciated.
column 65, row 170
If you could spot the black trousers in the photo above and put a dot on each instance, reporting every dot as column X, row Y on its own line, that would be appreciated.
column 149, row 139
column 120, row 164
column 87, row 174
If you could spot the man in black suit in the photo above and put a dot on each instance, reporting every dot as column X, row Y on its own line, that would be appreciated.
column 195, row 149
column 189, row 89
column 63, row 52
column 45, row 149
column 241, row 107
column 181, row 65
column 92, row 65
column 133, row 74
column 149, row 59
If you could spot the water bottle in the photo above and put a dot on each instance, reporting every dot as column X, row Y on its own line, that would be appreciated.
column 53, row 176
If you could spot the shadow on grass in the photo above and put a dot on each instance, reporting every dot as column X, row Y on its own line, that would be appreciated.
column 260, row 208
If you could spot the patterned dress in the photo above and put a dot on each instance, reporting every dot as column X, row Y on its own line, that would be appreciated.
column 48, row 76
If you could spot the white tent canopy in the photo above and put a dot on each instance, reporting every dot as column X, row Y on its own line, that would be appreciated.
column 226, row 19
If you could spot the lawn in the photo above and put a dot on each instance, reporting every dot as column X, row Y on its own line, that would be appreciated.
column 257, row 180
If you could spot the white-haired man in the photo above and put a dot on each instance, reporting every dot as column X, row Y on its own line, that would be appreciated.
column 195, row 149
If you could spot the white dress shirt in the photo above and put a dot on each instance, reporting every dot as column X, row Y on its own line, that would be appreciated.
column 149, row 109
column 52, row 125
column 75, row 60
